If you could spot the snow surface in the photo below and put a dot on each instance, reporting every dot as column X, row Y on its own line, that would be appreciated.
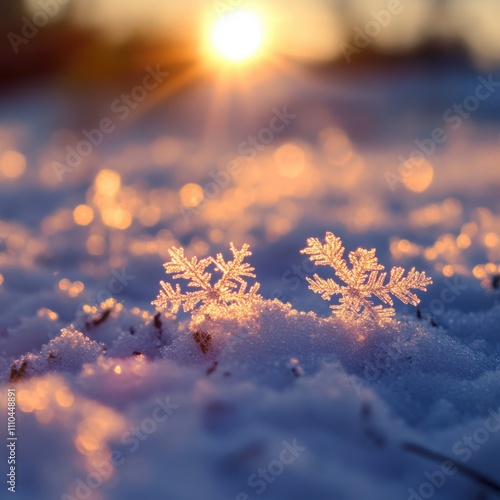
column 92, row 366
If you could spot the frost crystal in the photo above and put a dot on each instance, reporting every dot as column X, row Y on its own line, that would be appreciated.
column 230, row 288
column 364, row 280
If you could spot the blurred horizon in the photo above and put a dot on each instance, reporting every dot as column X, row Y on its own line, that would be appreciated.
column 111, row 40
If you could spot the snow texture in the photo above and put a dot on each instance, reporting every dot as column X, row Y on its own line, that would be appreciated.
column 226, row 393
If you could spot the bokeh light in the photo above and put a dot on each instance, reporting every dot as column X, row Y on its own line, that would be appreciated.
column 420, row 174
column 12, row 164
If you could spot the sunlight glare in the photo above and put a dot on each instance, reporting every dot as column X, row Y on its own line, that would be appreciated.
column 237, row 36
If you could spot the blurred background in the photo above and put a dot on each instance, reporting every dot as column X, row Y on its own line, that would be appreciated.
column 171, row 93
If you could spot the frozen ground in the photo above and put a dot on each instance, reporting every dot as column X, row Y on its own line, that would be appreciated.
column 285, row 404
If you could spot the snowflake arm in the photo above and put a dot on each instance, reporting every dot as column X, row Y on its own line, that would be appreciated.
column 173, row 299
column 236, row 269
column 329, row 254
column 191, row 270
column 400, row 285
column 230, row 288
column 250, row 294
column 365, row 279
column 362, row 262
column 326, row 288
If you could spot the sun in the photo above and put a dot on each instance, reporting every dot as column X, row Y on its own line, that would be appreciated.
column 237, row 36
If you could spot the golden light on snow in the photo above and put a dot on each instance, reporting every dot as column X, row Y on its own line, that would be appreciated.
column 25, row 401
column 86, row 444
column 12, row 164
column 290, row 159
column 16, row 243
column 64, row 397
column 404, row 246
column 149, row 215
column 237, row 36
column 113, row 202
column 439, row 213
column 335, row 145
column 76, row 289
column 277, row 226
column 216, row 235
column 191, row 195
column 479, row 272
column 44, row 416
column 73, row 289
column 96, row 244
column 464, row 241
column 64, row 284
column 491, row 240
column 116, row 217
column 83, row 215
column 47, row 313
column 93, row 433
column 108, row 183
column 470, row 228
column 430, row 254
column 448, row 270
column 491, row 268
column 420, row 175
column 485, row 273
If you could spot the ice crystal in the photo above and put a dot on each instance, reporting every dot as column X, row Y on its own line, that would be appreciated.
column 365, row 279
column 229, row 289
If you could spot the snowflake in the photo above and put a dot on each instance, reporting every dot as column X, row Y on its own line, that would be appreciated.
column 229, row 289
column 364, row 280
